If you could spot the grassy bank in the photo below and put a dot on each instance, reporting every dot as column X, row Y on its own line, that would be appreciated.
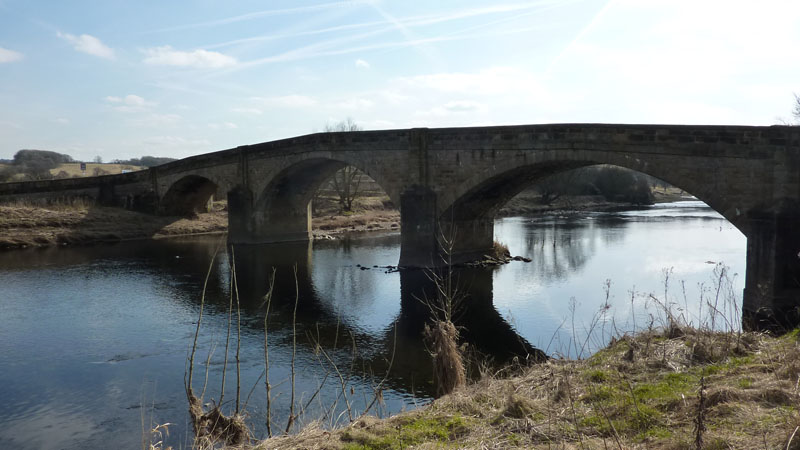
column 678, row 389
column 75, row 223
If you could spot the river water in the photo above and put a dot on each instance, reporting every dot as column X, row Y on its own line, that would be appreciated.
column 94, row 340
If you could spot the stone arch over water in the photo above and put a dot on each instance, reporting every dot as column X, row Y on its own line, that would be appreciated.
column 188, row 196
column 282, row 208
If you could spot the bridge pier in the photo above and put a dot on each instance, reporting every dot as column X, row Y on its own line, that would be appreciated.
column 418, row 228
column 428, row 240
column 772, row 286
column 248, row 226
column 471, row 239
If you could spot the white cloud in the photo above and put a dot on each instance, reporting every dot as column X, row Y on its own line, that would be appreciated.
column 156, row 120
column 379, row 124
column 62, row 121
column 355, row 103
column 175, row 142
column 288, row 101
column 14, row 125
column 393, row 97
column 496, row 80
column 130, row 103
column 7, row 55
column 88, row 44
column 669, row 67
column 198, row 59
column 360, row 63
column 223, row 126
column 460, row 107
column 512, row 95
column 250, row 111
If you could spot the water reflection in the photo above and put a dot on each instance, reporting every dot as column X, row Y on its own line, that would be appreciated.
column 92, row 334
column 560, row 247
column 584, row 260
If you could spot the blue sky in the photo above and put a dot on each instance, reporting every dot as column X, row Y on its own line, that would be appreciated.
column 123, row 79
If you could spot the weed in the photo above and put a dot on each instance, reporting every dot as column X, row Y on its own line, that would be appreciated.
column 596, row 376
column 413, row 432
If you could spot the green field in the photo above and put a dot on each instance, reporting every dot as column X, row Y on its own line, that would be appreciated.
column 74, row 169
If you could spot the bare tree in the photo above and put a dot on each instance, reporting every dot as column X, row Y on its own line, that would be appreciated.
column 795, row 120
column 346, row 181
column 563, row 183
column 345, row 125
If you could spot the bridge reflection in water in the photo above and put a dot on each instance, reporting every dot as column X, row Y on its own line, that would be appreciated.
column 483, row 328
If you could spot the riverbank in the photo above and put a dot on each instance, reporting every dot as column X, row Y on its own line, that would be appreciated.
column 528, row 202
column 23, row 226
column 677, row 389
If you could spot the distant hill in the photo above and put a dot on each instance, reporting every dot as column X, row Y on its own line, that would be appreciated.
column 29, row 164
column 71, row 170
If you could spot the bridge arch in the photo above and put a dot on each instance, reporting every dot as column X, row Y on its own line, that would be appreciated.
column 188, row 196
column 483, row 194
column 282, row 206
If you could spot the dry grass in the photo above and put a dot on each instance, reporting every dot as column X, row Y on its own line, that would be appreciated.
column 645, row 398
column 500, row 250
column 212, row 427
column 80, row 222
column 442, row 339
column 372, row 213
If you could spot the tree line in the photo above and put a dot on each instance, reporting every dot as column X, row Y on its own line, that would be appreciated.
column 145, row 161
column 615, row 184
column 32, row 165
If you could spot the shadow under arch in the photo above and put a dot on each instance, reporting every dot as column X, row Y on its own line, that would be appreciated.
column 282, row 210
column 188, row 196
column 508, row 178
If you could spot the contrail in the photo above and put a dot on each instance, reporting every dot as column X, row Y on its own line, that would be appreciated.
column 592, row 23
column 265, row 13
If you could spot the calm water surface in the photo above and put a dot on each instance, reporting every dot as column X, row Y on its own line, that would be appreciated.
column 94, row 340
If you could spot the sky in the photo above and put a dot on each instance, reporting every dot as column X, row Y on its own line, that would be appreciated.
column 121, row 79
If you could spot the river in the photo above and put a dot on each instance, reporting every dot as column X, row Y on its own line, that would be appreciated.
column 94, row 340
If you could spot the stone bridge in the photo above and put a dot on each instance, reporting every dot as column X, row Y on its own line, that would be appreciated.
column 451, row 181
